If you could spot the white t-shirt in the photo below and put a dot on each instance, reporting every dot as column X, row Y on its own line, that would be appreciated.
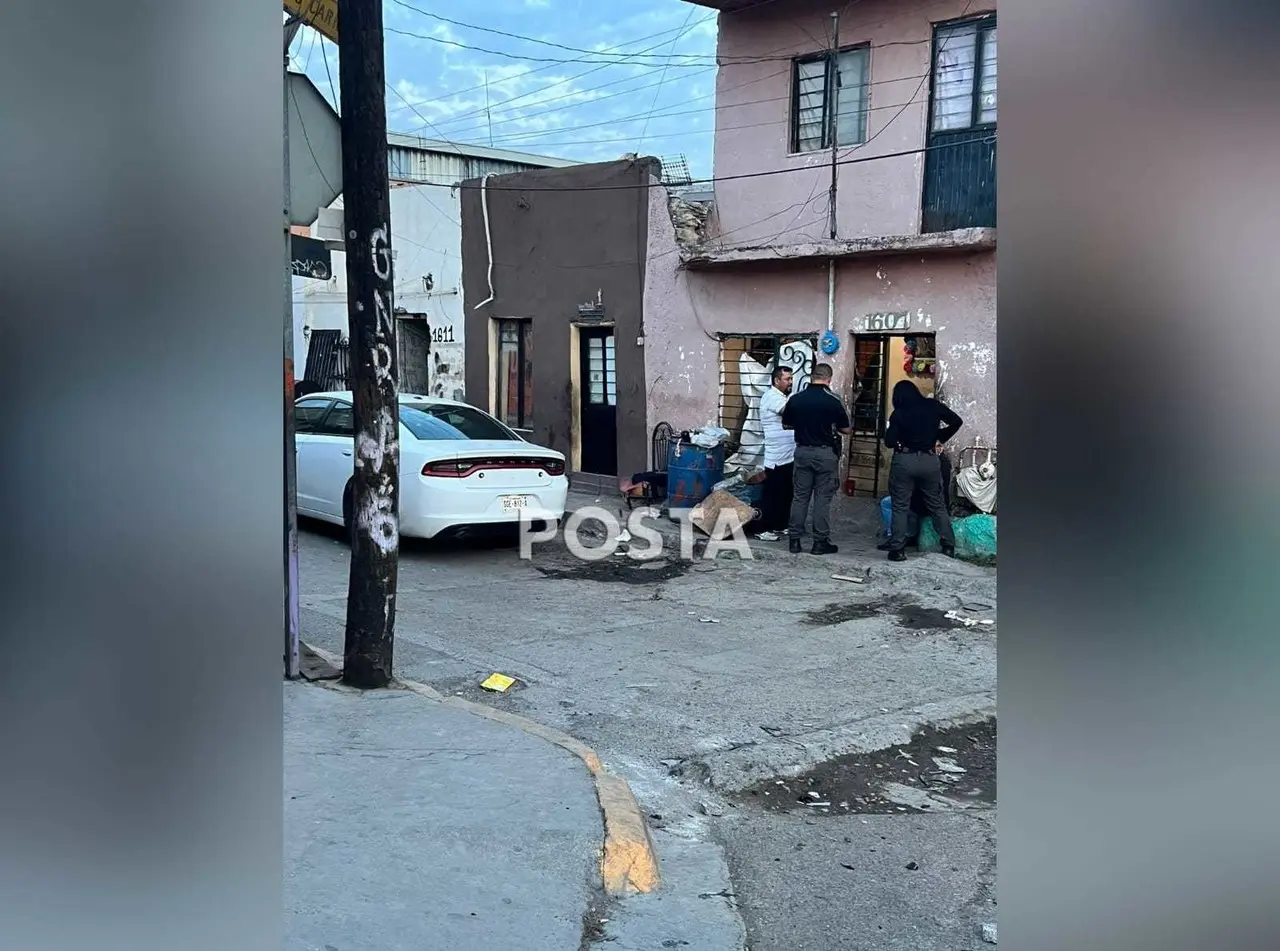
column 779, row 443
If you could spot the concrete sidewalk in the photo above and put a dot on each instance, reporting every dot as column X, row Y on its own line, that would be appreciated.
column 411, row 825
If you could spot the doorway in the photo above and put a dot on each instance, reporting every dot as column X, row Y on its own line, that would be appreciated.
column 598, row 399
column 881, row 361
column 414, row 355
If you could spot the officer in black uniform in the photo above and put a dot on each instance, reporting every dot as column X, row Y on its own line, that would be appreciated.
column 917, row 431
column 819, row 419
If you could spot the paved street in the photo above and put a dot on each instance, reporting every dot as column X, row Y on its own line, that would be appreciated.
column 707, row 684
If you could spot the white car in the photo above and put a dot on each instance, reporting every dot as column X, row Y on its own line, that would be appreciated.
column 460, row 468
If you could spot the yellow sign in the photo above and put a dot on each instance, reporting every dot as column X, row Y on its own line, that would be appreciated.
column 321, row 15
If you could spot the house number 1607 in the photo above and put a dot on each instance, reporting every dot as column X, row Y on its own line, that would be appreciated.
column 442, row 335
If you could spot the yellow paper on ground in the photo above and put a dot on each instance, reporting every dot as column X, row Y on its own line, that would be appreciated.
column 498, row 682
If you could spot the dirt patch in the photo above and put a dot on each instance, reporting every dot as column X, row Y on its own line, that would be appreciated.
column 904, row 611
column 958, row 765
column 615, row 569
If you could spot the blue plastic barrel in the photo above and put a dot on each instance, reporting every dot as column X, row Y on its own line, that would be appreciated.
column 691, row 472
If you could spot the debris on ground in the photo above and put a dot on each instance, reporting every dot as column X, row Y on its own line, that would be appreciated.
column 913, row 777
column 720, row 513
column 709, row 620
column 989, row 933
column 708, row 808
column 498, row 683
column 912, row 867
column 849, row 578
column 967, row 621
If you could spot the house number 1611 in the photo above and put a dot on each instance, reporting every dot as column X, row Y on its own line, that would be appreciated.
column 442, row 335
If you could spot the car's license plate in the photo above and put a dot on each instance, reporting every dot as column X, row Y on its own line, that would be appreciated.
column 514, row 503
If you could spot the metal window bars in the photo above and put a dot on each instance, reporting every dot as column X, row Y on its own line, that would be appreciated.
column 746, row 367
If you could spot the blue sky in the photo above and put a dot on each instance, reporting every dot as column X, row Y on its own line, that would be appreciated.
column 645, row 82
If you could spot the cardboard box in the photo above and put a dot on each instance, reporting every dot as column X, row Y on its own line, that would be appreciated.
column 707, row 514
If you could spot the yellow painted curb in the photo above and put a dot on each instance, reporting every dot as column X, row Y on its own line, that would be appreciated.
column 628, row 863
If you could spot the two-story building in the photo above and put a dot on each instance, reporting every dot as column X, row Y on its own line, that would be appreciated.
column 853, row 219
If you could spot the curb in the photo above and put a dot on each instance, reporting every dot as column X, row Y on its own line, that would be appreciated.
column 628, row 863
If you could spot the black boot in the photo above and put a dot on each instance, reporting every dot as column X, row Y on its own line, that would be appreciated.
column 794, row 544
column 885, row 545
column 898, row 555
column 949, row 550
column 822, row 546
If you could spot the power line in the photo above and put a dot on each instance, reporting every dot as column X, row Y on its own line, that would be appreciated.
column 722, row 178
column 333, row 92
column 714, row 94
column 531, row 39
column 623, row 120
column 543, row 69
column 560, row 82
column 528, row 59
column 662, row 79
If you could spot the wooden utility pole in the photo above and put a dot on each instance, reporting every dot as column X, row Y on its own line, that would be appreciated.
column 375, row 501
column 833, row 77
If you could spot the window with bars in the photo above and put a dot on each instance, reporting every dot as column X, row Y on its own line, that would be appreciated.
column 825, row 84
column 515, row 373
column 964, row 75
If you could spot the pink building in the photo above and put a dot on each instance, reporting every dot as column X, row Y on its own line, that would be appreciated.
column 900, row 283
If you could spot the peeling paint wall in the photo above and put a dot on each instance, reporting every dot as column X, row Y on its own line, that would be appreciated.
column 753, row 116
column 951, row 296
column 427, row 243
column 681, row 362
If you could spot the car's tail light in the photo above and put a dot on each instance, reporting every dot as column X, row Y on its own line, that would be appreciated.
column 460, row 469
column 447, row 469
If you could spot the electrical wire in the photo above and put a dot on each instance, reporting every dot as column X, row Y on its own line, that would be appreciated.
column 622, row 120
column 768, row 173
column 543, row 69
column 662, row 79
column 531, row 39
column 713, row 94
column 332, row 91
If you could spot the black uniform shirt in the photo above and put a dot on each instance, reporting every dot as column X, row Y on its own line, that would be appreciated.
column 815, row 413
column 920, row 425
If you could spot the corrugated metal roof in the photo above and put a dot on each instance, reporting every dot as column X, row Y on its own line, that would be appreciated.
column 415, row 165
column 414, row 159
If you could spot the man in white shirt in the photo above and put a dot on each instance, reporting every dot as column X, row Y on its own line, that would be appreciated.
column 779, row 457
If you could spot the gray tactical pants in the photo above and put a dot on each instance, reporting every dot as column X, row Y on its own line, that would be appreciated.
column 908, row 471
column 816, row 475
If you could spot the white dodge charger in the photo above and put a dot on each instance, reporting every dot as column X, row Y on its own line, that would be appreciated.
column 459, row 467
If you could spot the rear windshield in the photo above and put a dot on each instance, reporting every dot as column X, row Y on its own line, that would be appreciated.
column 452, row 422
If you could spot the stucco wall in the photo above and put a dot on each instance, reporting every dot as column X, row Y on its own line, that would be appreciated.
column 880, row 197
column 560, row 238
column 426, row 237
column 954, row 297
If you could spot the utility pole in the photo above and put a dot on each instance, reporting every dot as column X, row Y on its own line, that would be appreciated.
column 375, row 503
column 292, row 657
column 834, row 79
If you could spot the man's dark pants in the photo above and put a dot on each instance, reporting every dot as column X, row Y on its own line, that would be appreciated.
column 775, row 497
column 907, row 472
column 816, row 477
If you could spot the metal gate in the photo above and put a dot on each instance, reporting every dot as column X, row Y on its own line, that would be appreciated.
column 328, row 360
column 746, row 368
column 867, row 465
